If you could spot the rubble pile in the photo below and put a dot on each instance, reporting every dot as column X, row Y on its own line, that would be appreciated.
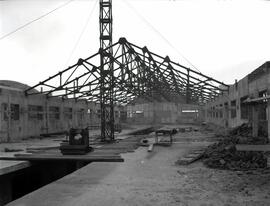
column 223, row 155
column 243, row 134
column 243, row 130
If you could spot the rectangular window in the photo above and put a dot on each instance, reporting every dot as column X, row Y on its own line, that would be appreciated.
column 263, row 94
column 226, row 110
column 81, row 113
column 221, row 111
column 214, row 112
column 116, row 114
column 15, row 111
column 209, row 113
column 35, row 112
column 263, row 107
column 123, row 115
column 233, row 109
column 4, row 110
column 68, row 112
column 262, row 111
column 54, row 112
column 99, row 113
column 243, row 108
column 226, row 107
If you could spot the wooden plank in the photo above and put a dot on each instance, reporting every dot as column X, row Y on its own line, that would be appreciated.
column 190, row 157
column 262, row 148
column 112, row 152
column 42, row 148
column 184, row 161
column 111, row 148
column 150, row 148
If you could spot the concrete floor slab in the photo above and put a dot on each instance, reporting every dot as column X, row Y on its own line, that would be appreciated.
column 111, row 183
column 11, row 166
column 146, row 179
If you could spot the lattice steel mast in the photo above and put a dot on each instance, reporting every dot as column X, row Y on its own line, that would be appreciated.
column 106, row 71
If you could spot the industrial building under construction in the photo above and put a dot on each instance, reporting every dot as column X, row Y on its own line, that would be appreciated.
column 128, row 126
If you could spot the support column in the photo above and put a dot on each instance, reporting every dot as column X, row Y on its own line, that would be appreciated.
column 226, row 114
column 268, row 119
column 255, row 117
column 46, row 116
column 187, row 89
column 255, row 120
column 268, row 114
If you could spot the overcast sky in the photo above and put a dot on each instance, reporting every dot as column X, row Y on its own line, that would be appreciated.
column 224, row 39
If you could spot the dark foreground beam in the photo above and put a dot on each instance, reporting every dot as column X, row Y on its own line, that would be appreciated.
column 84, row 158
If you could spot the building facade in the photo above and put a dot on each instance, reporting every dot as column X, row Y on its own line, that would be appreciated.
column 234, row 107
column 25, row 116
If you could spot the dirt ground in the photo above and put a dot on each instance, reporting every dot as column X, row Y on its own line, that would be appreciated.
column 153, row 178
column 158, row 180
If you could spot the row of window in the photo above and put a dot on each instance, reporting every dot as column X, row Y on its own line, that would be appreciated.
column 14, row 111
column 217, row 111
column 35, row 112
column 245, row 109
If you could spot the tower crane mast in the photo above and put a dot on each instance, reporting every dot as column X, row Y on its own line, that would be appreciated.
column 106, row 71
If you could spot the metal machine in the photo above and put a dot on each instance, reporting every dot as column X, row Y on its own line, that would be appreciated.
column 78, row 142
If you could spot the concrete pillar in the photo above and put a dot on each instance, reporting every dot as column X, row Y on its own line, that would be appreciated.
column 268, row 112
column 46, row 116
column 9, row 120
column 268, row 119
column 255, row 120
column 226, row 114
column 255, row 116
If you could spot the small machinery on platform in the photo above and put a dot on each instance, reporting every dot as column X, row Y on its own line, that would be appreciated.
column 78, row 142
column 165, row 131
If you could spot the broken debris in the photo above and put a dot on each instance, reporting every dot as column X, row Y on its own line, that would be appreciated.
column 223, row 155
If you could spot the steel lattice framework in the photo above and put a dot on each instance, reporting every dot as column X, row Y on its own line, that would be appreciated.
column 106, row 71
column 137, row 73
column 122, row 72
